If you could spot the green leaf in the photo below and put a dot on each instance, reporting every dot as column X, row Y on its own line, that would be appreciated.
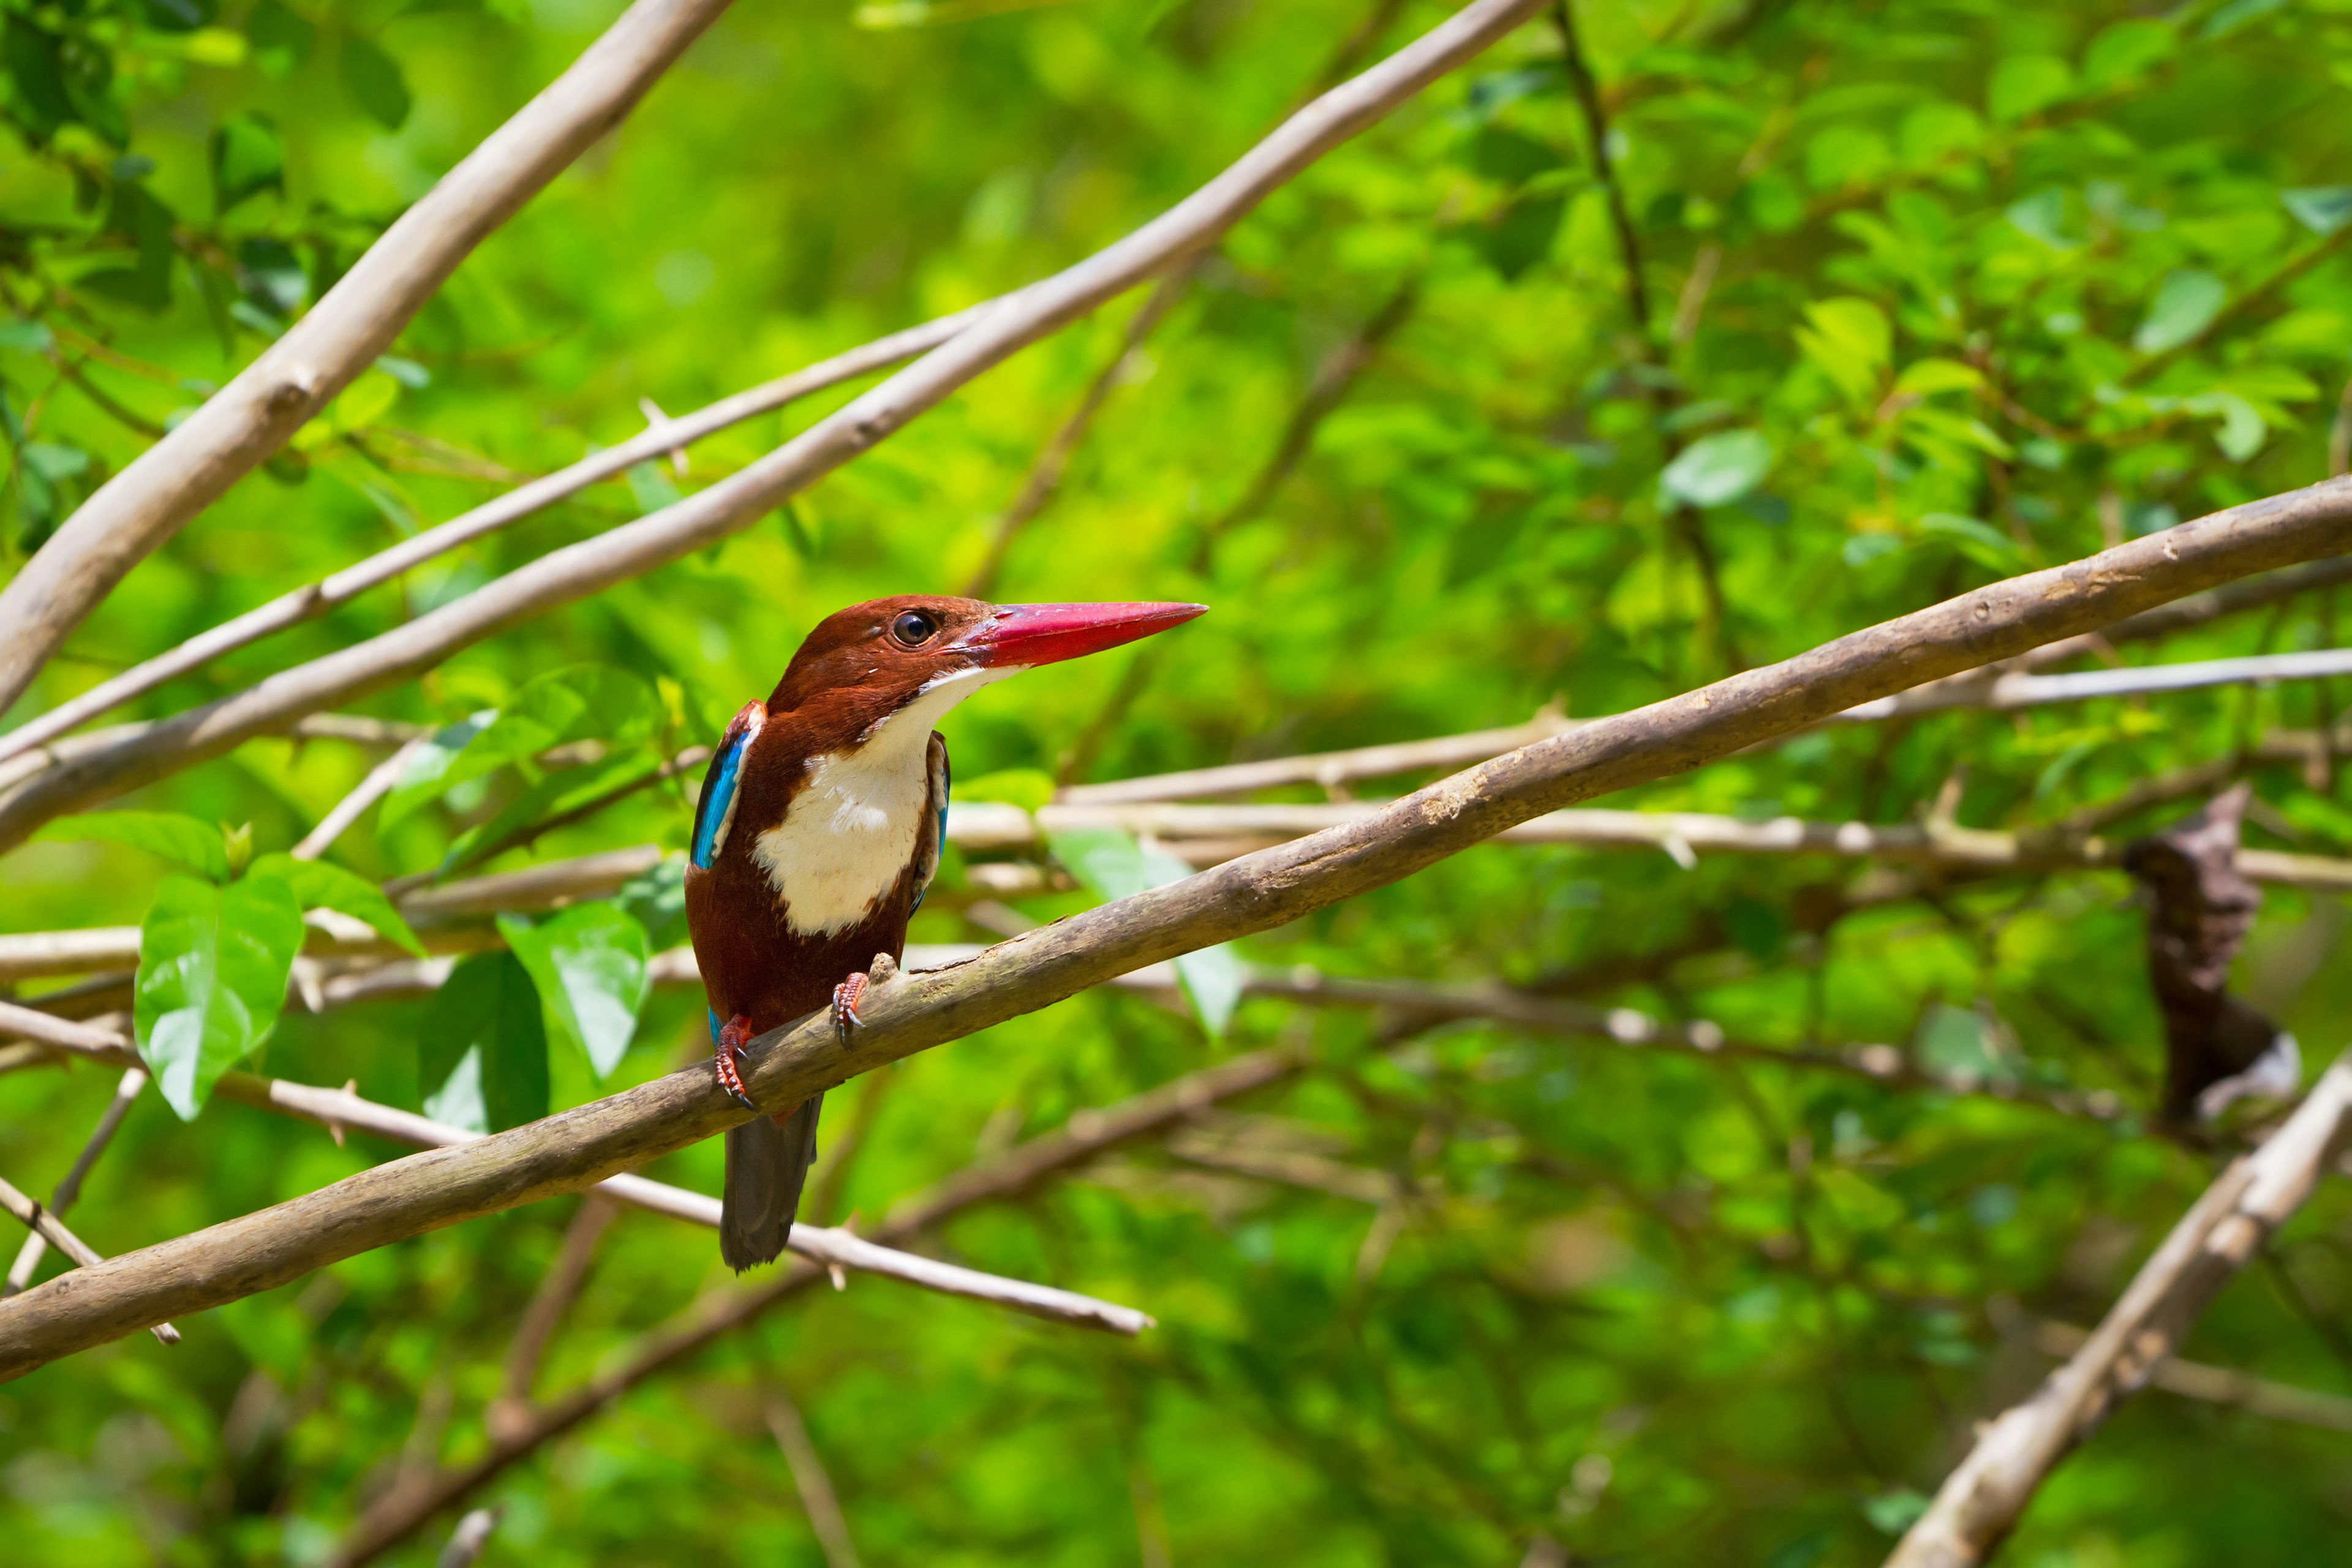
column 426, row 775
column 147, row 224
column 655, row 899
column 652, row 488
column 247, row 159
column 2323, row 209
column 2026, row 84
column 1113, row 865
column 282, row 39
column 2186, row 303
column 589, row 964
column 1850, row 340
column 1980, row 541
column 582, row 703
column 199, row 845
column 319, row 886
column 482, row 1055
column 1720, row 468
column 213, row 967
column 1926, row 378
column 2125, row 49
column 376, row 80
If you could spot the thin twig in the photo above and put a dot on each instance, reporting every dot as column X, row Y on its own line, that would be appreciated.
column 370, row 789
column 1596, row 132
column 336, row 339
column 2216, row 1384
column 577, row 1148
column 68, row 1191
column 51, row 1229
column 1333, row 378
column 743, row 498
column 809, row 1478
column 1982, row 1499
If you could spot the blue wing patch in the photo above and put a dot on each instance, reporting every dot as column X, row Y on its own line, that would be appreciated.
column 716, row 810
column 927, row 857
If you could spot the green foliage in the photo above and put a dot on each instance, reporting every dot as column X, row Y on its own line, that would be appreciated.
column 213, row 963
column 481, row 1056
column 1927, row 294
column 318, row 885
column 589, row 964
column 1114, row 865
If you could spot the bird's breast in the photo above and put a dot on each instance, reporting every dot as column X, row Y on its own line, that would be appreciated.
column 847, row 837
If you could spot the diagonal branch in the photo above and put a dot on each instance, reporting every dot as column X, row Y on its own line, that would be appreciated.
column 315, row 599
column 1982, row 1499
column 736, row 502
column 147, row 502
column 68, row 1191
column 809, row 1478
column 577, row 1148
column 49, row 1228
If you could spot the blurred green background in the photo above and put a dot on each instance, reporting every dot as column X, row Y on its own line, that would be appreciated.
column 1930, row 292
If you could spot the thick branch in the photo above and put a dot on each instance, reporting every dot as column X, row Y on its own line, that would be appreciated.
column 320, row 354
column 2216, row 1384
column 577, row 1148
column 1982, row 1500
column 737, row 501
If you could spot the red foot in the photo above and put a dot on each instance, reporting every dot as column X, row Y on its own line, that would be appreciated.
column 846, row 997
column 731, row 1041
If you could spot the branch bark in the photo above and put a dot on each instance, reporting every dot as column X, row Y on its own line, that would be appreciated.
column 51, row 1229
column 737, row 501
column 315, row 599
column 1982, row 1499
column 576, row 1148
column 235, row 428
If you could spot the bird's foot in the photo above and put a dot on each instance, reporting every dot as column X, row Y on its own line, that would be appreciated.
column 850, row 992
column 731, row 1041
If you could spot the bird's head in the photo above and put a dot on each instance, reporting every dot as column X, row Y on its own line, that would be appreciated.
column 887, row 655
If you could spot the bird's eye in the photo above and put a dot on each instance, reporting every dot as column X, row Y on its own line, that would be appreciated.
column 913, row 628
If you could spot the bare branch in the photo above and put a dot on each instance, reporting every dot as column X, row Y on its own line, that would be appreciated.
column 736, row 502
column 577, row 1148
column 337, row 338
column 472, row 1534
column 315, row 599
column 2223, row 1231
column 1206, row 834
column 64, row 1196
column 2002, row 692
column 48, row 1226
column 2215, row 1385
column 809, row 1478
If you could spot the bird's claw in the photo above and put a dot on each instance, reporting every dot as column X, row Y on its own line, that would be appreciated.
column 850, row 992
column 731, row 1041
column 846, row 997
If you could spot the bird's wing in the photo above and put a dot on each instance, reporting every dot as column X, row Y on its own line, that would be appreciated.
column 714, row 814
column 930, row 846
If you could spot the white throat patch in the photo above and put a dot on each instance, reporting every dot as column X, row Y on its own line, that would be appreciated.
column 850, row 831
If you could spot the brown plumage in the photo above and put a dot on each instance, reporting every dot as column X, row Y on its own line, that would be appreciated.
column 819, row 827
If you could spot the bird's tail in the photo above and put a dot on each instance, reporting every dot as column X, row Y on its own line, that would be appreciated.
column 768, row 1160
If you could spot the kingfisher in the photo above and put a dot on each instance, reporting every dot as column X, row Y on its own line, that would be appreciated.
column 820, row 825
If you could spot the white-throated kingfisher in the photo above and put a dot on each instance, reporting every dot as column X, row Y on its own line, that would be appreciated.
column 820, row 825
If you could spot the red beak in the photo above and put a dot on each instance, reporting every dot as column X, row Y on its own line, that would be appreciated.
column 1028, row 635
